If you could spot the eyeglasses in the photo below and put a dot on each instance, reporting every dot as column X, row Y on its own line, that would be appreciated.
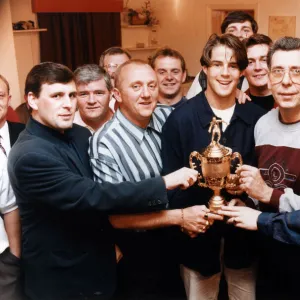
column 277, row 75
column 111, row 66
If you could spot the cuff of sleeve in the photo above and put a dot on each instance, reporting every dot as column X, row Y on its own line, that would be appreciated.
column 9, row 209
column 264, row 223
column 163, row 197
column 274, row 201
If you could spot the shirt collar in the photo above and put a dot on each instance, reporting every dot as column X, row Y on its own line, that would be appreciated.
column 206, row 114
column 48, row 133
column 137, row 132
column 4, row 132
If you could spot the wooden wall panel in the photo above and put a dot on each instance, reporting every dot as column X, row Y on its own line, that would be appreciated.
column 72, row 6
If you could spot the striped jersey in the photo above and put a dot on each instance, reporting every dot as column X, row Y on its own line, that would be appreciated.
column 121, row 151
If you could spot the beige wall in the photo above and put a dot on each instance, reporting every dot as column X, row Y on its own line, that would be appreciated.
column 26, row 44
column 8, row 63
column 184, row 23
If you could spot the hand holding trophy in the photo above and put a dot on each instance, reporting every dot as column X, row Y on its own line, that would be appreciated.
column 215, row 164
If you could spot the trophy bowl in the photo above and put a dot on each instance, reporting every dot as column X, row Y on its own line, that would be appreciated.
column 215, row 163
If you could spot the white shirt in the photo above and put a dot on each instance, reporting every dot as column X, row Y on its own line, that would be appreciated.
column 225, row 115
column 7, row 197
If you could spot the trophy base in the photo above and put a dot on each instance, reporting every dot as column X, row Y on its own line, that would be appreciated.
column 215, row 203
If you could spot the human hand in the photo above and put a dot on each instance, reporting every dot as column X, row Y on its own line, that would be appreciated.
column 242, row 97
column 241, row 216
column 197, row 219
column 252, row 183
column 236, row 202
column 183, row 178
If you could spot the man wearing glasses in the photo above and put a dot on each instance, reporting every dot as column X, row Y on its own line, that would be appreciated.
column 256, row 73
column 224, row 59
column 276, row 184
column 110, row 60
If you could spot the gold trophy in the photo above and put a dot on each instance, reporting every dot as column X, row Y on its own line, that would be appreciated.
column 215, row 164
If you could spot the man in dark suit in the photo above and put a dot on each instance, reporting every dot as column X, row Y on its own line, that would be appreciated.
column 68, row 247
column 10, row 232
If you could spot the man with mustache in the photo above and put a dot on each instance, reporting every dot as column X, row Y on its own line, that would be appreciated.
column 276, row 182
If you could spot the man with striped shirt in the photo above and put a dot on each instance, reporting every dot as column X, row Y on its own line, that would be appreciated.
column 128, row 149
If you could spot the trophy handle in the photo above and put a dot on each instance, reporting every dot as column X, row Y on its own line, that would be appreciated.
column 232, row 180
column 238, row 156
column 198, row 157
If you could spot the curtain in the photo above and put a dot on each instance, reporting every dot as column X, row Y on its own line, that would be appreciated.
column 74, row 39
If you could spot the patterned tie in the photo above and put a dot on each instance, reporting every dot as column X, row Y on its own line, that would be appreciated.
column 1, row 147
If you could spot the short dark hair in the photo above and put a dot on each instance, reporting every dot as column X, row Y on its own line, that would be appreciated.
column 112, row 51
column 47, row 72
column 286, row 43
column 227, row 40
column 5, row 82
column 257, row 39
column 92, row 72
column 168, row 52
column 127, row 63
column 238, row 16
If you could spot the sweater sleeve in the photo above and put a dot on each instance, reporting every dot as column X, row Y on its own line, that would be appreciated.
column 283, row 227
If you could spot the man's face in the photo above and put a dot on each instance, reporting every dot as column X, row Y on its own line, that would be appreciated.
column 223, row 74
column 170, row 76
column 55, row 106
column 240, row 30
column 286, row 92
column 257, row 70
column 112, row 62
column 4, row 102
column 137, row 93
column 93, row 99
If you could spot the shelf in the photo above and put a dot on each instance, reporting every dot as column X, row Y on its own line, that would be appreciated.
column 30, row 30
column 143, row 49
column 138, row 26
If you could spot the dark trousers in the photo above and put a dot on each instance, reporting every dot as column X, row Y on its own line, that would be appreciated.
column 10, row 282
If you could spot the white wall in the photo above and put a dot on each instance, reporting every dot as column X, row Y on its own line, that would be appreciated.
column 26, row 44
column 183, row 23
column 8, row 63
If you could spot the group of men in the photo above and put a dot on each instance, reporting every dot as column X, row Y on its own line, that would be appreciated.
column 112, row 210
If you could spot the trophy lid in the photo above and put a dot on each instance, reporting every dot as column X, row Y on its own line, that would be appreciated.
column 216, row 150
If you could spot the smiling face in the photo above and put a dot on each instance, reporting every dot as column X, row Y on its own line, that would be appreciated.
column 137, row 93
column 170, row 77
column 223, row 73
column 4, row 102
column 93, row 99
column 240, row 30
column 55, row 106
column 286, row 92
column 257, row 70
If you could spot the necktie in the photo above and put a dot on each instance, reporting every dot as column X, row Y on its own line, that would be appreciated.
column 1, row 147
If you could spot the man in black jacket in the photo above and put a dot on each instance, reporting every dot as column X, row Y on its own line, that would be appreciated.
column 68, row 249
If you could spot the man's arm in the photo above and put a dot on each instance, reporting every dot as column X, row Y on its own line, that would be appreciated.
column 10, row 213
column 283, row 227
column 252, row 183
column 12, row 226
